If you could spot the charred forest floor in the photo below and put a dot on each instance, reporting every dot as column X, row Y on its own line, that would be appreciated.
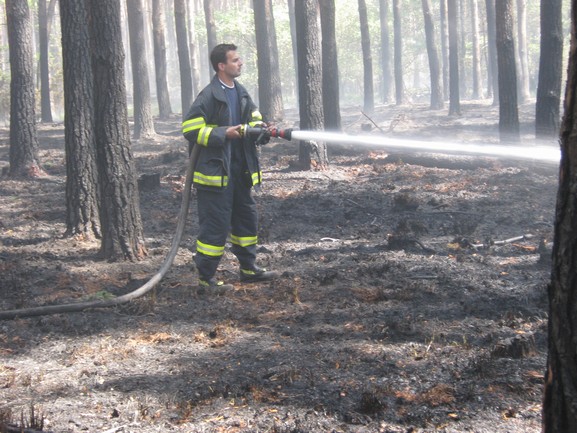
column 412, row 295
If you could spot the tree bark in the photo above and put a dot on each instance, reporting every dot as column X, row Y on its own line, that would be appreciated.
column 476, row 50
column 523, row 75
column 560, row 393
column 310, row 82
column 433, row 54
column 269, row 84
column 508, row 109
column 158, row 31
column 330, row 67
column 492, row 61
column 82, row 197
column 548, row 103
column 368, row 88
column 23, row 134
column 143, row 123
column 399, row 85
column 210, row 29
column 183, row 56
column 122, row 234
column 45, row 108
column 387, row 79
column 454, row 87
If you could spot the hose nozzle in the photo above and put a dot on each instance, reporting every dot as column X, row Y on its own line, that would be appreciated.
column 263, row 135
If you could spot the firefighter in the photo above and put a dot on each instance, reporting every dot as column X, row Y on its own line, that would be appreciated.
column 225, row 173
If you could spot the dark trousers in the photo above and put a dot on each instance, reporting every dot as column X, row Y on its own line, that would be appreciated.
column 230, row 210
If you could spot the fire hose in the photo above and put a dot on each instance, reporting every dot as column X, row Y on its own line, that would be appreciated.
column 261, row 136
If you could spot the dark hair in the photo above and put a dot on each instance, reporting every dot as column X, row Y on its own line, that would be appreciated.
column 218, row 54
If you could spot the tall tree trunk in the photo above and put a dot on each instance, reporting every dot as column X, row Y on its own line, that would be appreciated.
column 158, row 31
column 310, row 81
column 476, row 54
column 454, row 87
column 492, row 61
column 508, row 109
column 385, row 51
column 269, row 84
column 523, row 75
column 550, row 70
column 292, row 19
column 45, row 108
column 183, row 56
column 330, row 66
column 560, row 393
column 369, row 91
column 122, row 234
column 23, row 134
column 399, row 85
column 445, row 48
column 433, row 53
column 82, row 197
column 210, row 29
column 193, row 50
column 143, row 123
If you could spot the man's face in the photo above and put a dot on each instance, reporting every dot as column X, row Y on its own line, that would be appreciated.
column 233, row 64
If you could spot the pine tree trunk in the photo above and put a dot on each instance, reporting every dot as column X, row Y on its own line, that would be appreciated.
column 547, row 108
column 45, row 108
column 330, row 66
column 23, row 134
column 493, row 68
column 122, row 234
column 399, row 85
column 82, row 198
column 508, row 109
column 368, row 88
column 476, row 54
column 454, row 87
column 433, row 54
column 524, row 88
column 183, row 56
column 269, row 84
column 143, row 123
column 310, row 81
column 158, row 31
column 560, row 394
column 387, row 79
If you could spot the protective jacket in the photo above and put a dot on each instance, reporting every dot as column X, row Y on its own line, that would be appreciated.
column 205, row 125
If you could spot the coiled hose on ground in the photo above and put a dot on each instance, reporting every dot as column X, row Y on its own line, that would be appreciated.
column 142, row 290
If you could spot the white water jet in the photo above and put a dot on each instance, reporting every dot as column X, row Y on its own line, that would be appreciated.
column 537, row 153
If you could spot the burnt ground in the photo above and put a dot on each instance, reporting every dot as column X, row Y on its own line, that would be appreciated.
column 409, row 299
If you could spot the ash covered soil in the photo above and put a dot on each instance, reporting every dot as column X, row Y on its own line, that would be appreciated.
column 412, row 296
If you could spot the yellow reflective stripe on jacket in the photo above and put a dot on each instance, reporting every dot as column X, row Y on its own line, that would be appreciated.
column 256, row 118
column 192, row 124
column 203, row 179
column 209, row 250
column 203, row 135
column 243, row 241
column 256, row 177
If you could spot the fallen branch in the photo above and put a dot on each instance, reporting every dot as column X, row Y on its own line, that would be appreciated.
column 490, row 243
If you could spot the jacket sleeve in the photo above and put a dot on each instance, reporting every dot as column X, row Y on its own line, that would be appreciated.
column 196, row 128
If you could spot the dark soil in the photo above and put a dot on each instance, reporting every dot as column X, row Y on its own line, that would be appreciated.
column 412, row 296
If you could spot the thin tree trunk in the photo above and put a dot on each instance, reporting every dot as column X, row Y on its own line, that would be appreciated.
column 143, row 123
column 524, row 88
column 548, row 103
column 492, row 50
column 45, row 107
column 158, row 31
column 454, row 87
column 399, row 85
column 508, row 109
column 183, row 56
column 445, row 48
column 476, row 54
column 331, row 103
column 369, row 92
column 433, row 54
column 387, row 79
